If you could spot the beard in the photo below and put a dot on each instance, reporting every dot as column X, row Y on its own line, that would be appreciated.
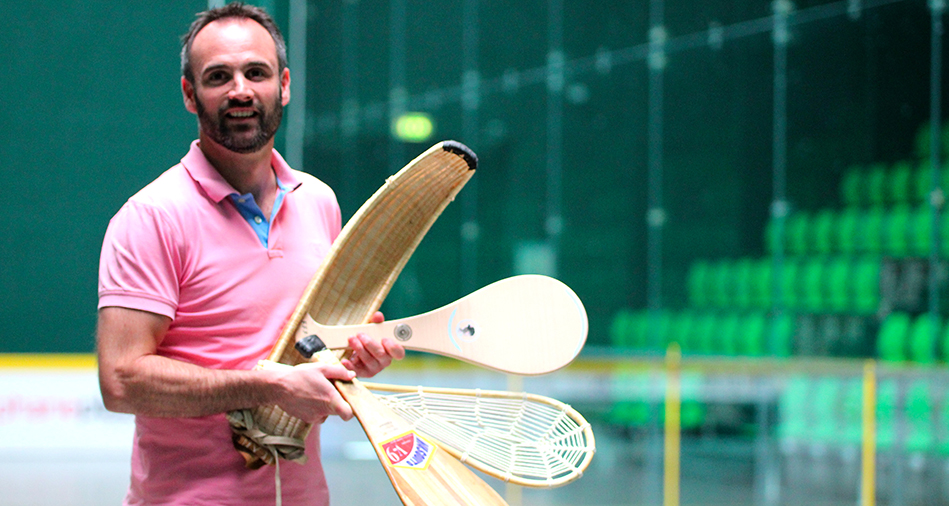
column 245, row 138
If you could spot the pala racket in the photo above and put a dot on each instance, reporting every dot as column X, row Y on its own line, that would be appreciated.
column 528, row 325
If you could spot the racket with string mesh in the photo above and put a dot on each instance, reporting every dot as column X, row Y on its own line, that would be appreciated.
column 520, row 438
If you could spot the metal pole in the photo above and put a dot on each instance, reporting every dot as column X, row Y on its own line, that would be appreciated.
column 295, row 135
column 349, row 108
column 656, row 214
column 779, row 203
column 936, row 196
column 471, row 100
column 555, row 83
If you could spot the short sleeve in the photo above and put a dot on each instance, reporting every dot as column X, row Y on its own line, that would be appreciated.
column 140, row 262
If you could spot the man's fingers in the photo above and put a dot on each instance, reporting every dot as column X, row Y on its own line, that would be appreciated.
column 343, row 409
column 393, row 349
column 338, row 372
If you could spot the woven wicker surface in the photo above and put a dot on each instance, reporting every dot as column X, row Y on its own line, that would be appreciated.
column 364, row 262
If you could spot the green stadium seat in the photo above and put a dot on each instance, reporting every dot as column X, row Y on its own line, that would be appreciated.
column 886, row 412
column 761, row 283
column 799, row 233
column 637, row 338
column 893, row 337
column 849, row 230
column 876, row 182
column 839, row 280
column 730, row 328
column 900, row 190
column 658, row 326
column 692, row 409
column 866, row 284
column 813, row 281
column 824, row 231
column 826, row 398
column 923, row 181
column 630, row 409
column 870, row 233
column 789, row 274
column 923, row 336
column 681, row 330
column 895, row 228
column 752, row 335
column 722, row 287
column 943, row 344
column 942, row 424
column 780, row 336
column 775, row 234
column 943, row 228
column 920, row 437
column 699, row 283
column 853, row 189
column 621, row 329
column 744, row 272
column 924, row 139
column 793, row 411
column 705, row 330
column 852, row 413
column 920, row 231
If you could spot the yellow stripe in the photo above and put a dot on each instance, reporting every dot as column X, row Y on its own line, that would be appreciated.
column 868, row 479
column 47, row 361
column 672, row 426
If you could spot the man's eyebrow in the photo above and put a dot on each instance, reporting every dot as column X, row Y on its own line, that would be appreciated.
column 252, row 63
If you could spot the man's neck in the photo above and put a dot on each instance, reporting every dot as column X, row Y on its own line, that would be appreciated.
column 246, row 172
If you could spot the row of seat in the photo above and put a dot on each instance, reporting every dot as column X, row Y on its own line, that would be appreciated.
column 898, row 231
column 828, row 410
column 904, row 182
column 923, row 141
column 834, row 284
column 922, row 339
column 632, row 407
column 728, row 333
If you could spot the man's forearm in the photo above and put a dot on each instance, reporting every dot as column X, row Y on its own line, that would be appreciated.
column 159, row 386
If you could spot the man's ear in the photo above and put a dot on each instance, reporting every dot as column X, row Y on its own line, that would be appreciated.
column 285, row 86
column 187, row 93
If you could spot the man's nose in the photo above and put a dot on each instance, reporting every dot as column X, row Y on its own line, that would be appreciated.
column 241, row 91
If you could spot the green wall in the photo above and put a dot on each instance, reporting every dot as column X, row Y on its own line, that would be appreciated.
column 93, row 112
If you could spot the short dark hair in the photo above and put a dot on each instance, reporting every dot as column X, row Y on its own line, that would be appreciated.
column 231, row 10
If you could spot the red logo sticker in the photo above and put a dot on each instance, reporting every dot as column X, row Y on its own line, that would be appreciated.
column 408, row 450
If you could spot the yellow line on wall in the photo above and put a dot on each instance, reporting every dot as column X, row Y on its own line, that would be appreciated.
column 47, row 361
column 672, row 425
column 868, row 482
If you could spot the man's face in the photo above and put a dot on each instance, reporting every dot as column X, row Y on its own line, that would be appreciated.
column 238, row 92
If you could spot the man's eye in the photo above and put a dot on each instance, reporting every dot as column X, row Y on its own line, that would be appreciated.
column 217, row 77
column 256, row 74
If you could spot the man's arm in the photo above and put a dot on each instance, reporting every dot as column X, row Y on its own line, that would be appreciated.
column 135, row 380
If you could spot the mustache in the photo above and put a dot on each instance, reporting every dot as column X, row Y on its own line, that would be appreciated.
column 239, row 103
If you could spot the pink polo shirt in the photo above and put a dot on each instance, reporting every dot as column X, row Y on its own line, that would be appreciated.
column 180, row 248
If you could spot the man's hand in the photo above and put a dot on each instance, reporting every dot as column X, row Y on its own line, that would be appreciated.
column 369, row 356
column 309, row 395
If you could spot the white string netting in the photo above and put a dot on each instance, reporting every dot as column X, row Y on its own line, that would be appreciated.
column 525, row 439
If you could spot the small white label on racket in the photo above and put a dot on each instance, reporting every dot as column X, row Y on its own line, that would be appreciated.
column 408, row 450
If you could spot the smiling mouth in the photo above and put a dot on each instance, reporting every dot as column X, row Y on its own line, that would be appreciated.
column 241, row 114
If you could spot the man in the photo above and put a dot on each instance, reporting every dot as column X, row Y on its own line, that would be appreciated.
column 201, row 269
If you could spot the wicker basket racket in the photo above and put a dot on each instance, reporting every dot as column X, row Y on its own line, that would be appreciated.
column 355, row 278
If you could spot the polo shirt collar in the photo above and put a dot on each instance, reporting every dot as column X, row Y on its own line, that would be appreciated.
column 216, row 187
